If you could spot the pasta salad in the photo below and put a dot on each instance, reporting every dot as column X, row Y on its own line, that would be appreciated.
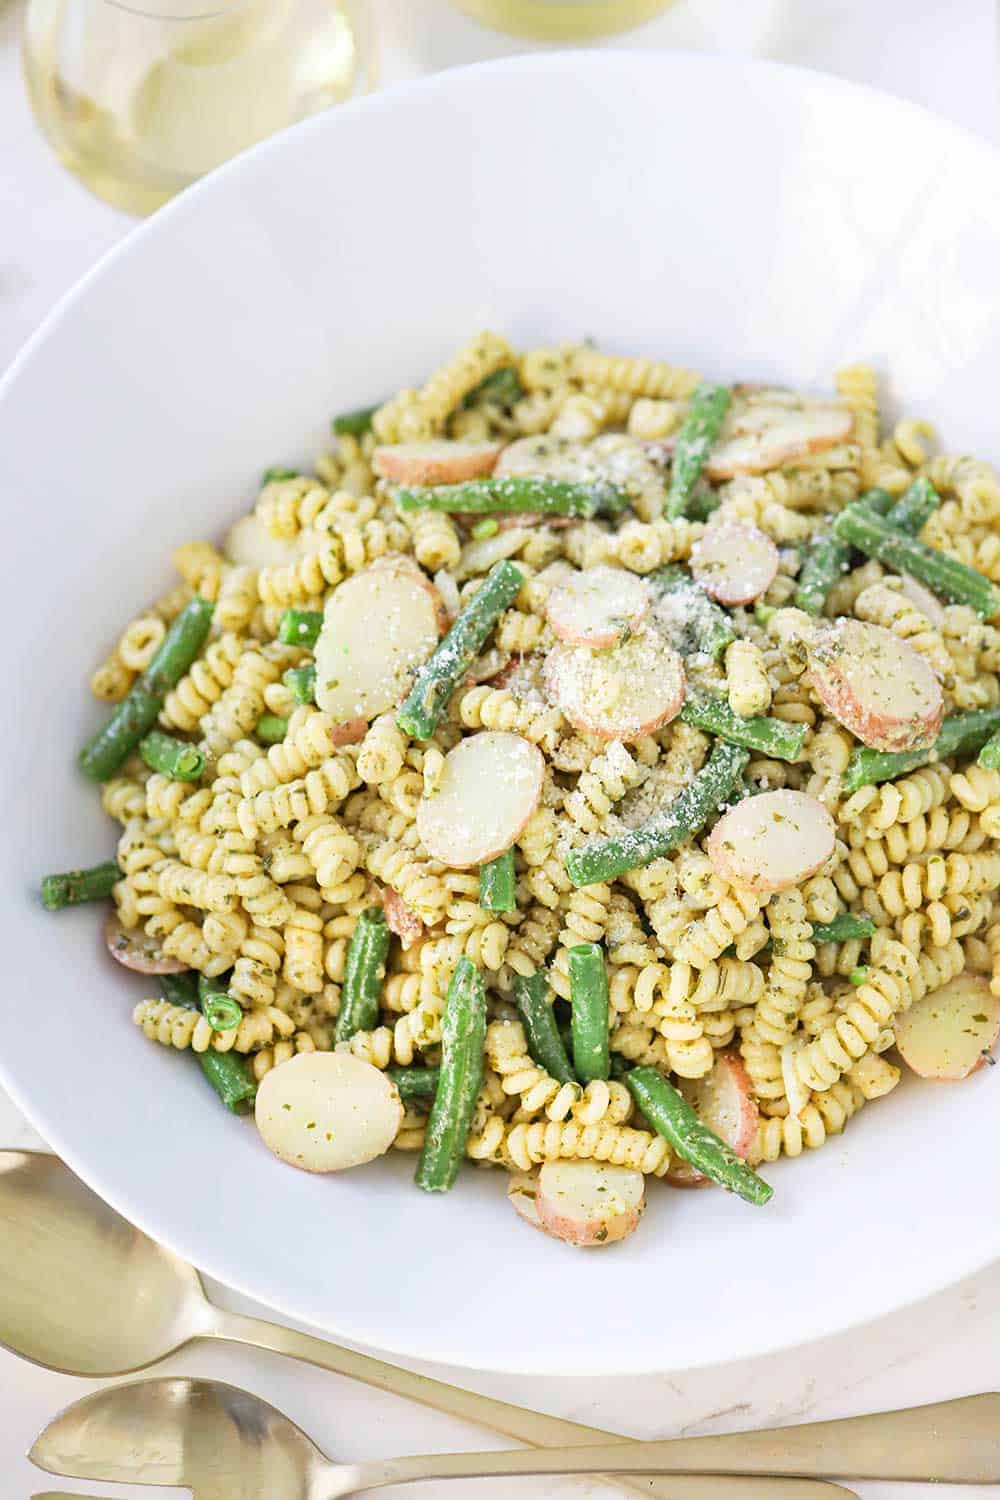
column 589, row 771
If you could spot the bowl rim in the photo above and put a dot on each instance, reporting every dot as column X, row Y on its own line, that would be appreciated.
column 921, row 1283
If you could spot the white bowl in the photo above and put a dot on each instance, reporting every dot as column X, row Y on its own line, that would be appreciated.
column 746, row 219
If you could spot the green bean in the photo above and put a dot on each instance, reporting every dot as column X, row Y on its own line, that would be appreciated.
column 878, row 499
column 912, row 512
column 271, row 729
column 698, row 625
column 300, row 627
column 363, row 974
column 667, row 829
column 771, row 737
column 172, row 757
column 230, row 1076
column 502, row 388
column 180, row 989
column 698, row 433
column 826, row 559
column 354, row 423
column 137, row 712
column 671, row 1116
column 414, row 1084
column 960, row 734
column 952, row 580
column 989, row 755
column 843, row 928
column 496, row 883
column 535, row 493
column 270, row 476
column 488, row 526
column 74, row 887
column 463, row 1035
column 438, row 677
column 301, row 682
column 588, row 993
column 703, row 504
column 220, row 1010
column 532, row 998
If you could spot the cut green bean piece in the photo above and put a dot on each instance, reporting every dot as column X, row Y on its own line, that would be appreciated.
column 826, row 559
column 301, row 682
column 300, row 627
column 172, row 757
column 914, row 509
column 698, row 433
column 271, row 729
column 463, row 1036
column 354, row 423
column 671, row 1116
column 137, row 712
column 230, row 1076
column 75, row 887
column 488, row 526
column 668, row 829
column 220, row 1010
column 363, row 974
column 438, row 677
column 496, row 883
column 952, row 580
column 528, row 492
column 989, row 755
column 696, row 625
column 588, row 993
column 180, row 989
column 960, row 734
column 545, row 1042
column 502, row 388
column 270, row 476
column 415, row 1084
column 771, row 737
column 843, row 928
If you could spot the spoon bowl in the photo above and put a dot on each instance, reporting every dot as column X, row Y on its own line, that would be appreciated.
column 84, row 1291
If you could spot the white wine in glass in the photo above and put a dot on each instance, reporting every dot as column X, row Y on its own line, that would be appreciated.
column 139, row 100
column 562, row 20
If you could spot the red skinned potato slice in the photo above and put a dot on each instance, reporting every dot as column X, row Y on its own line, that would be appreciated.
column 133, row 949
column 598, row 607
column 437, row 462
column 950, row 1032
column 928, row 604
column 327, row 1111
column 623, row 693
column 772, row 841
column 586, row 1203
column 379, row 626
column 876, row 685
column 399, row 918
column 490, row 786
column 734, row 562
column 760, row 436
column 351, row 732
column 521, row 1192
column 723, row 1102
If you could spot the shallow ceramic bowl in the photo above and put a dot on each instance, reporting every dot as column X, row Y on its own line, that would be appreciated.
column 752, row 221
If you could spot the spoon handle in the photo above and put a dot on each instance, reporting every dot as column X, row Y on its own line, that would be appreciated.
column 534, row 1427
column 954, row 1441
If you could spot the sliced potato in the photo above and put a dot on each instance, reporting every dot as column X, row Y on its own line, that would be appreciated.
column 598, row 607
column 928, row 604
column 723, row 1101
column 876, row 685
column 440, row 461
column 586, row 1203
column 762, row 434
column 133, row 949
column 772, row 841
column 379, row 626
column 490, row 786
column 622, row 693
column 950, row 1032
column 521, row 1191
column 399, row 918
column 556, row 457
column 327, row 1111
column 734, row 562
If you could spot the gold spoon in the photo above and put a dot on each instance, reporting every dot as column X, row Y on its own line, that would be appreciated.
column 85, row 1293
column 226, row 1444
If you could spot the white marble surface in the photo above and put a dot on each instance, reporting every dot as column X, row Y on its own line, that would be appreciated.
column 51, row 231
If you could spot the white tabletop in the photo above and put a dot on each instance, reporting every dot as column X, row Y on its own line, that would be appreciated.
column 943, row 56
